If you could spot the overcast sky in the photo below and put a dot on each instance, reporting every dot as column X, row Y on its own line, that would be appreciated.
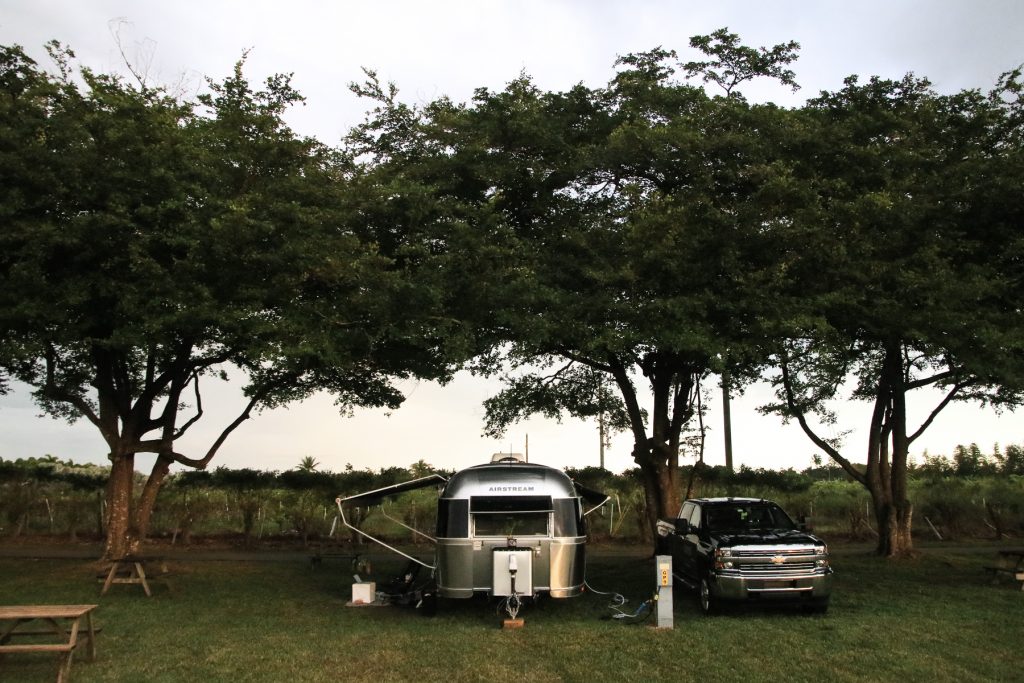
column 431, row 48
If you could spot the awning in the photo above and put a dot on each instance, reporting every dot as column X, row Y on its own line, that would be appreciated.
column 376, row 496
column 590, row 495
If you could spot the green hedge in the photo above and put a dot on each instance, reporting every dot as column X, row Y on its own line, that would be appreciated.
column 46, row 496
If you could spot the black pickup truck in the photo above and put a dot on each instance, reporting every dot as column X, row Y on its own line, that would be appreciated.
column 745, row 549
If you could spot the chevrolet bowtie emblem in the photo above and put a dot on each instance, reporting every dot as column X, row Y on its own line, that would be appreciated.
column 778, row 559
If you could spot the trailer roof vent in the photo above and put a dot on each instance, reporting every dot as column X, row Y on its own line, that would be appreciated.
column 508, row 457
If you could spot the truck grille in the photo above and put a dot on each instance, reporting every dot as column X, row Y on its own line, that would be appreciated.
column 768, row 570
column 772, row 552
column 770, row 563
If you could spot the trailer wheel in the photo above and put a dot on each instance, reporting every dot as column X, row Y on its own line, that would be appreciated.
column 428, row 604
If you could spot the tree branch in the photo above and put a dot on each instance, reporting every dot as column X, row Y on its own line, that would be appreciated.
column 549, row 379
column 201, row 464
column 583, row 360
column 636, row 419
column 938, row 409
column 917, row 384
column 54, row 391
column 199, row 409
column 802, row 420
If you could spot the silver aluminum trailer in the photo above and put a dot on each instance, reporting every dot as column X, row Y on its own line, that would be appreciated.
column 507, row 528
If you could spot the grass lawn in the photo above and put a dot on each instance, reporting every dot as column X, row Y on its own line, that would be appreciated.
column 935, row 618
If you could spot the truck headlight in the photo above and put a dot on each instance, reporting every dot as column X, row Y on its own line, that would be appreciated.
column 723, row 552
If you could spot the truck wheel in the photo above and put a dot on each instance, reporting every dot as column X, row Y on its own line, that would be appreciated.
column 708, row 604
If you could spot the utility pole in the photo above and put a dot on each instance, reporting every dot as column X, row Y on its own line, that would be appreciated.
column 727, row 420
column 600, row 431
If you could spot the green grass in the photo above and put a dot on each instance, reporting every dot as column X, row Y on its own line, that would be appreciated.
column 936, row 618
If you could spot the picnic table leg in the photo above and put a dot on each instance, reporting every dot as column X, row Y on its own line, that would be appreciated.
column 64, row 672
column 141, row 574
column 6, row 635
column 91, row 651
column 110, row 576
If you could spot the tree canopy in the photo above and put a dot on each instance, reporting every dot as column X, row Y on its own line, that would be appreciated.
column 150, row 243
column 919, row 241
column 660, row 234
column 640, row 234
column 605, row 250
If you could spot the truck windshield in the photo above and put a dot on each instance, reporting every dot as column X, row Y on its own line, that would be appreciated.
column 741, row 517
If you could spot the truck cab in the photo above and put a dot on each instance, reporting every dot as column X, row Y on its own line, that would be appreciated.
column 745, row 549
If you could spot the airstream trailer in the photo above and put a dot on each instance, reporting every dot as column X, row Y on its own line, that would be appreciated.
column 505, row 528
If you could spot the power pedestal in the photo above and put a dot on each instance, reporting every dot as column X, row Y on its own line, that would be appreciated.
column 663, row 580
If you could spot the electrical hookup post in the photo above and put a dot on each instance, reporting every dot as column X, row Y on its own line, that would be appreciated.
column 663, row 594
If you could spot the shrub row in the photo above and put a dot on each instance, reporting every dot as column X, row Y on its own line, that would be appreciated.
column 49, row 497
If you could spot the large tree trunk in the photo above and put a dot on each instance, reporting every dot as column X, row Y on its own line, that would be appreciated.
column 658, row 455
column 143, row 513
column 128, row 519
column 894, row 524
column 673, row 383
column 887, row 460
column 893, row 519
column 885, row 474
column 660, row 491
column 119, row 541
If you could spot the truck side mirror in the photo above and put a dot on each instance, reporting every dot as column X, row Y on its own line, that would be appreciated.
column 682, row 526
column 804, row 524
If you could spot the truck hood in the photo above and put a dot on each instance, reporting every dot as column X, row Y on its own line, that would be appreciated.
column 767, row 537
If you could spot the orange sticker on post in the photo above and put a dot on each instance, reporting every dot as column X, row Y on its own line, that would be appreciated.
column 665, row 574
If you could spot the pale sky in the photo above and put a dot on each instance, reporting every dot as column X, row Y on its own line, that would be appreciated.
column 431, row 48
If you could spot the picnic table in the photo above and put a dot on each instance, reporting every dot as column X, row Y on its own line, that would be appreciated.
column 1011, row 562
column 132, row 570
column 64, row 623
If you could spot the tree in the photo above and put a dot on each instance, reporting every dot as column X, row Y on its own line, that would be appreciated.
column 920, row 235
column 150, row 244
column 308, row 464
column 733, row 63
column 647, row 216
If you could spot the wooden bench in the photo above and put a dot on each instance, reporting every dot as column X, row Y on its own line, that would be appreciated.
column 132, row 570
column 54, row 615
column 318, row 559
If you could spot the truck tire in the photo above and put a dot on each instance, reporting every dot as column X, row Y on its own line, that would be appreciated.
column 708, row 604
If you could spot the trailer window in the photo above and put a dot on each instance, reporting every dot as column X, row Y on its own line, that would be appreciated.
column 568, row 518
column 452, row 518
column 511, row 524
column 510, row 515
column 499, row 504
